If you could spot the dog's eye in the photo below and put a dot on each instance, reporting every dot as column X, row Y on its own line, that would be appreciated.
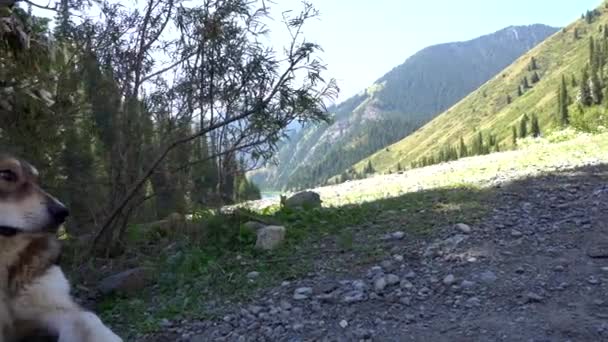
column 8, row 175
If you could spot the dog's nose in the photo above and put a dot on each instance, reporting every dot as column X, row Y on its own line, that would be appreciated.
column 58, row 211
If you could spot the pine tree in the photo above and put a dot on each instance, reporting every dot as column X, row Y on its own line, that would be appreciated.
column 605, row 31
column 523, row 126
column 573, row 81
column 576, row 35
column 535, row 78
column 562, row 103
column 584, row 96
column 592, row 55
column 514, row 136
column 596, row 88
column 525, row 83
column 463, row 149
column 509, row 99
column 535, row 127
column 478, row 145
column 519, row 92
column 533, row 65
column 399, row 169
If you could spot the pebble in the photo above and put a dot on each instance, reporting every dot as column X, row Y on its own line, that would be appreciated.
column 253, row 275
column 392, row 279
column 464, row 228
column 449, row 279
column 532, row 297
column 380, row 284
column 398, row 235
column 302, row 293
column 516, row 233
column 343, row 324
column 488, row 277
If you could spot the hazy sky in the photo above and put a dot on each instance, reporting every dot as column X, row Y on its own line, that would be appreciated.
column 363, row 39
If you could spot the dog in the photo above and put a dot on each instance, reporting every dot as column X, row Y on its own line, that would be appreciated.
column 34, row 292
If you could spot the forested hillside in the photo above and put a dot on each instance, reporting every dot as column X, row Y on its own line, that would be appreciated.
column 559, row 83
column 397, row 104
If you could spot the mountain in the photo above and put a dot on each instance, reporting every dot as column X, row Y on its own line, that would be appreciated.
column 397, row 104
column 575, row 56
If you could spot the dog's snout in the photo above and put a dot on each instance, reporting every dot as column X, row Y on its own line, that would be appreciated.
column 58, row 211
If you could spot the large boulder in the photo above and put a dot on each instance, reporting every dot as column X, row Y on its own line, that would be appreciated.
column 303, row 200
column 126, row 283
column 270, row 237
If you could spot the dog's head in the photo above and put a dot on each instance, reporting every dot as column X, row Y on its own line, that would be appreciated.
column 24, row 206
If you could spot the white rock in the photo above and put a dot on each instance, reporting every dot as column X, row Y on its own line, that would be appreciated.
column 270, row 237
column 343, row 324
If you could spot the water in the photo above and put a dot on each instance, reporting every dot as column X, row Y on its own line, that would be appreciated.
column 270, row 194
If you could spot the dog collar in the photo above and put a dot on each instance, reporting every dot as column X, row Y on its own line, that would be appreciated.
column 8, row 231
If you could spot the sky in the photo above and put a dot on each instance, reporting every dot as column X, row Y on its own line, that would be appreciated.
column 364, row 39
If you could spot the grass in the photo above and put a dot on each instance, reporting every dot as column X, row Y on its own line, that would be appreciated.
column 196, row 272
column 486, row 109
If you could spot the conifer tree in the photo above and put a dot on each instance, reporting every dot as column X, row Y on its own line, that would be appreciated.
column 562, row 103
column 533, row 65
column 519, row 92
column 525, row 83
column 535, row 78
column 596, row 88
column 535, row 127
column 573, row 81
column 463, row 149
column 523, row 126
column 592, row 55
column 514, row 136
column 576, row 35
column 584, row 95
column 509, row 99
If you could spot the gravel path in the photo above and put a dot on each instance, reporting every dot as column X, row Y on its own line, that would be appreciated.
column 536, row 269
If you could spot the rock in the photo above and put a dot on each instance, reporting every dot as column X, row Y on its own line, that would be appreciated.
column 593, row 280
column 488, row 277
column 398, row 258
column 532, row 297
column 516, row 233
column 253, row 275
column 449, row 279
column 380, row 284
column 466, row 284
column 392, row 279
column 302, row 293
column 253, row 226
column 398, row 235
column 303, row 200
column 465, row 228
column 353, row 297
column 270, row 237
column 445, row 246
column 343, row 324
column 127, row 282
column 598, row 251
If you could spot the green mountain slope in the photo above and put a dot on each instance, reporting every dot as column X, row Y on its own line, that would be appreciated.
column 401, row 101
column 488, row 109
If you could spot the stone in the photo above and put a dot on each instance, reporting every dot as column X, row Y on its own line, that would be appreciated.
column 253, row 275
column 302, row 293
column 270, row 237
column 464, row 228
column 303, row 200
column 449, row 279
column 488, row 277
column 392, row 279
column 127, row 282
column 253, row 226
column 398, row 235
column 343, row 324
column 380, row 284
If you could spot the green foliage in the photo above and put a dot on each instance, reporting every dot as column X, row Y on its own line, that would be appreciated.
column 523, row 126
column 514, row 136
column 534, row 126
column 562, row 103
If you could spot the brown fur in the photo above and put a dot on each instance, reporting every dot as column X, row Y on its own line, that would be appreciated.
column 34, row 293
